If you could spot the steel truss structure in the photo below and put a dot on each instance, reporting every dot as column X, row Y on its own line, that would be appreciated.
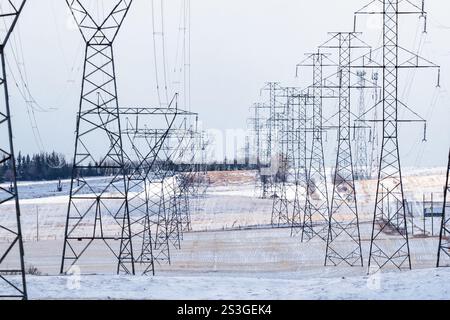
column 316, row 212
column 94, row 204
column 193, row 174
column 142, row 158
column 362, row 167
column 344, row 219
column 260, row 127
column 304, row 127
column 366, row 157
column 279, row 142
column 175, row 184
column 159, row 194
column 443, row 256
column 199, row 170
column 290, row 160
column 390, row 195
column 268, row 131
column 374, row 136
column 11, row 242
column 254, row 128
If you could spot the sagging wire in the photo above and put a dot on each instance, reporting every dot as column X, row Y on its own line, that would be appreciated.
column 160, row 33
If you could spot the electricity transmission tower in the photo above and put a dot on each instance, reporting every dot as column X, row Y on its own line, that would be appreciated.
column 390, row 213
column 262, row 146
column 362, row 167
column 156, row 140
column 204, row 180
column 174, row 149
column 193, row 177
column 344, row 220
column 254, row 140
column 266, row 131
column 11, row 252
column 374, row 137
column 444, row 238
column 98, row 211
column 256, row 127
column 276, row 108
column 301, row 129
column 286, row 201
column 142, row 157
column 316, row 213
column 279, row 129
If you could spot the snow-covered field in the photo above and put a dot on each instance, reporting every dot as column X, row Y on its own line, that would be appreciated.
column 226, row 256
column 419, row 284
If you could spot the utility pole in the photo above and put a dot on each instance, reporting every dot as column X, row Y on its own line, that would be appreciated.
column 12, row 253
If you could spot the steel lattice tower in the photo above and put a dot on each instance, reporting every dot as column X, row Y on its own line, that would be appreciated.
column 174, row 150
column 196, row 181
column 142, row 159
column 302, row 169
column 266, row 130
column 262, row 145
column 158, row 195
column 280, row 160
column 256, row 132
column 148, row 207
column 444, row 237
column 276, row 108
column 286, row 201
column 99, row 147
column 12, row 252
column 344, row 220
column 390, row 196
column 389, row 176
column 373, row 164
column 362, row 167
column 316, row 214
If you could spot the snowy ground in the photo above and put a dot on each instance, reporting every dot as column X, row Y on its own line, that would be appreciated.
column 420, row 284
column 218, row 263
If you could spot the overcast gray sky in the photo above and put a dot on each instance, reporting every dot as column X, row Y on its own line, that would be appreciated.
column 237, row 46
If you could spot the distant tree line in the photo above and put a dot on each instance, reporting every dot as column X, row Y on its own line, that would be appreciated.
column 37, row 167
column 225, row 165
column 54, row 166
